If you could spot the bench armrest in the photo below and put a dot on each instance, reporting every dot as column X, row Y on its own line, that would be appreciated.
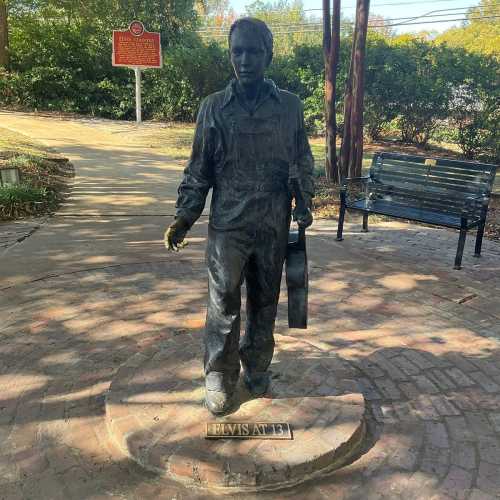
column 355, row 188
column 475, row 204
column 350, row 180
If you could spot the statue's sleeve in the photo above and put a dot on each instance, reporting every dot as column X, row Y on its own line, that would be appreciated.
column 198, row 177
column 305, row 160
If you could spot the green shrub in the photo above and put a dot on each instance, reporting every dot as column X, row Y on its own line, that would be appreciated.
column 21, row 200
column 22, row 193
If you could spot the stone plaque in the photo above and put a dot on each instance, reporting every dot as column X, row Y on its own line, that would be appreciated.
column 249, row 430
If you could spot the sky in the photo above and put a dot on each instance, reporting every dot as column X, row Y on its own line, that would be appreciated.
column 405, row 9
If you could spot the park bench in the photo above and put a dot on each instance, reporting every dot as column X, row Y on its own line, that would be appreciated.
column 433, row 191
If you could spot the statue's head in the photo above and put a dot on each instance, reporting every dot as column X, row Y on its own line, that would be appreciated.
column 250, row 49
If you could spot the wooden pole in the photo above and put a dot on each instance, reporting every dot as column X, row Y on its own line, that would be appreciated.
column 4, row 35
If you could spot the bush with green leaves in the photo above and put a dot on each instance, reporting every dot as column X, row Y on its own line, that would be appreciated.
column 23, row 199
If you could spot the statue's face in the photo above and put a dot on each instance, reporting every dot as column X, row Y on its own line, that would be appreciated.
column 248, row 56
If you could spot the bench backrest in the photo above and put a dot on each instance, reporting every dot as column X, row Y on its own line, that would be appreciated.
column 431, row 183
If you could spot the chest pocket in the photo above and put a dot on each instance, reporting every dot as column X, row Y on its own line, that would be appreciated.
column 257, row 144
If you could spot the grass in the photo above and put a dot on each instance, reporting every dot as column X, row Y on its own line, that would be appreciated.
column 20, row 200
column 173, row 140
column 318, row 149
column 22, row 193
column 42, row 180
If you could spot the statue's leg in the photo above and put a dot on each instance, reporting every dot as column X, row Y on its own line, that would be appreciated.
column 263, row 279
column 227, row 254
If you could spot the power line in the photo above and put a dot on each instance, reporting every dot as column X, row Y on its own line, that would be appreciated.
column 318, row 30
column 392, row 4
column 405, row 21
column 386, row 20
column 397, row 4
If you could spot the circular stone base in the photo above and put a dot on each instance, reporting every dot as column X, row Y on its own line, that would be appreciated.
column 155, row 412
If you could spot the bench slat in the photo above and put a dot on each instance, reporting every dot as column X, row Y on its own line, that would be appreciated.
column 456, row 208
column 431, row 184
column 472, row 176
column 392, row 209
column 444, row 162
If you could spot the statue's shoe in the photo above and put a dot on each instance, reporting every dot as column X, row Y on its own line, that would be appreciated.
column 257, row 383
column 218, row 402
column 219, row 392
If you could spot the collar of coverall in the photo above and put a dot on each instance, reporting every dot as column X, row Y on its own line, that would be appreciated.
column 269, row 89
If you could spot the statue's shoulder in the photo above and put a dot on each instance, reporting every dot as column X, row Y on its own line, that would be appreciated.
column 215, row 100
column 289, row 99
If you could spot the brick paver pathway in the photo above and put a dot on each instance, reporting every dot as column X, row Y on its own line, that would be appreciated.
column 156, row 415
column 424, row 341
column 13, row 232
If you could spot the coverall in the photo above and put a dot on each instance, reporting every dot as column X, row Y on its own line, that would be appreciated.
column 246, row 157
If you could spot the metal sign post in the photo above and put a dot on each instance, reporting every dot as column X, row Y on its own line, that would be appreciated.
column 138, row 49
column 138, row 96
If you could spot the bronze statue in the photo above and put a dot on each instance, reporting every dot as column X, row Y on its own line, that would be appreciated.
column 249, row 142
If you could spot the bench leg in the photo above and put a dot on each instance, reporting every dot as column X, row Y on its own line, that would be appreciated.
column 479, row 239
column 341, row 215
column 365, row 222
column 461, row 244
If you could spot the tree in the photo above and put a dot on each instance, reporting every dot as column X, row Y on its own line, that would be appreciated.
column 288, row 22
column 331, row 54
column 4, row 35
column 379, row 24
column 351, row 152
column 172, row 18
column 481, row 32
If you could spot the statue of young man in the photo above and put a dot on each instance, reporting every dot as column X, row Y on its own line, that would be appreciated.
column 249, row 141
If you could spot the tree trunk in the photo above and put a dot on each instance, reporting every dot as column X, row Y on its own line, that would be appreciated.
column 4, row 35
column 358, row 89
column 345, row 148
column 333, row 67
column 352, row 143
column 329, row 125
column 331, row 49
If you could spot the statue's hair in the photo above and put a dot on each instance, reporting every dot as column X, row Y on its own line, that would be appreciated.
column 260, row 27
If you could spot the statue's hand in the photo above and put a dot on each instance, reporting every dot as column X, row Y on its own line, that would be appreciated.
column 304, row 218
column 175, row 234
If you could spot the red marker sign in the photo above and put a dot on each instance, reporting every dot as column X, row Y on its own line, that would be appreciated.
column 136, row 28
column 137, row 47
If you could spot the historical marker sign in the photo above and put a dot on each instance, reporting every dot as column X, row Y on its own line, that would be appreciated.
column 249, row 430
column 137, row 48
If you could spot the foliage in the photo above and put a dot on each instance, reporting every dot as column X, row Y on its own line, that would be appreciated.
column 190, row 72
column 61, row 60
column 425, row 82
column 287, row 17
column 382, row 88
column 475, row 114
column 22, row 193
column 480, row 36
column 172, row 18
column 21, row 200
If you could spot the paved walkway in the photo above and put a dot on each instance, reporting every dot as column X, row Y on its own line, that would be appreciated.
column 84, row 293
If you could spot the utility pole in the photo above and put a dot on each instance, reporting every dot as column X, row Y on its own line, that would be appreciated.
column 4, row 35
column 352, row 143
column 331, row 49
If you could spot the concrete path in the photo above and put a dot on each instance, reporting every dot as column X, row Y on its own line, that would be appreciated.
column 86, row 292
column 121, row 199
